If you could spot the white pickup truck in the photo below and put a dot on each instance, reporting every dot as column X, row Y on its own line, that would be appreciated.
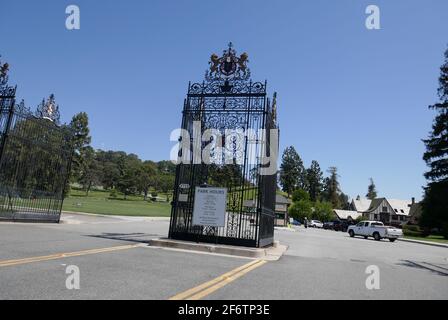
column 374, row 229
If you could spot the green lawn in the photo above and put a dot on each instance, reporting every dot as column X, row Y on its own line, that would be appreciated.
column 438, row 239
column 99, row 202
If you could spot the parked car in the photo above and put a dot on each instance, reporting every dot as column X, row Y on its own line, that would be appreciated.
column 375, row 229
column 328, row 225
column 315, row 224
column 296, row 223
column 340, row 226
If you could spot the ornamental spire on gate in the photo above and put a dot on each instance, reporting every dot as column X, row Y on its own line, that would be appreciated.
column 49, row 110
column 4, row 68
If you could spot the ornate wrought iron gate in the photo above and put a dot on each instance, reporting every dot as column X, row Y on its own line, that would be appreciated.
column 35, row 158
column 227, row 114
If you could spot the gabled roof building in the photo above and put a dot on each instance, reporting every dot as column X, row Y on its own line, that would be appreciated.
column 389, row 211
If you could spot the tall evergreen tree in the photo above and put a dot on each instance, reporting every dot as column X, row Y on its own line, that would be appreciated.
column 314, row 177
column 332, row 189
column 435, row 203
column 292, row 171
column 343, row 201
column 81, row 141
column 371, row 190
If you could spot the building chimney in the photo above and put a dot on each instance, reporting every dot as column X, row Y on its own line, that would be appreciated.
column 413, row 203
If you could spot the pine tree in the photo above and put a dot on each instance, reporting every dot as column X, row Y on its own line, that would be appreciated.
column 371, row 191
column 81, row 141
column 435, row 203
column 292, row 171
column 314, row 177
column 332, row 189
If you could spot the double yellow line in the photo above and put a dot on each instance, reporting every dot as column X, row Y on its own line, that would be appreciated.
column 211, row 286
column 15, row 262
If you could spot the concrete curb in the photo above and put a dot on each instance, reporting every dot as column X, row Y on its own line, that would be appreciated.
column 428, row 243
column 272, row 253
column 117, row 216
column 285, row 229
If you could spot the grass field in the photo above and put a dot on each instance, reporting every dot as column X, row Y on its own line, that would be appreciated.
column 99, row 202
column 438, row 239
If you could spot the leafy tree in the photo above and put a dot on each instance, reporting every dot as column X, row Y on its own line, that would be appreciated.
column 301, row 210
column 314, row 177
column 292, row 171
column 435, row 203
column 371, row 191
column 129, row 171
column 148, row 170
column 111, row 163
column 299, row 195
column 166, row 184
column 90, row 172
column 323, row 211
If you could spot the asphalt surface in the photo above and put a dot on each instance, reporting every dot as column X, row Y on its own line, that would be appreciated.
column 318, row 265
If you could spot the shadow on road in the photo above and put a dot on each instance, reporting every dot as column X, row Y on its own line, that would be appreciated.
column 132, row 237
column 441, row 271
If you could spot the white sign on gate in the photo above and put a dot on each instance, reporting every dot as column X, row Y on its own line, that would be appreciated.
column 209, row 207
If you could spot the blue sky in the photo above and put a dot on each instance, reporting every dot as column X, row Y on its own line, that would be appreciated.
column 348, row 97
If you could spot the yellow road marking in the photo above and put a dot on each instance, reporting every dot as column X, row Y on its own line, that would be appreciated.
column 15, row 262
column 211, row 286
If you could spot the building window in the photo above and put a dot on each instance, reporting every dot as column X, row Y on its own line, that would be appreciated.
column 384, row 209
column 375, row 217
column 394, row 217
column 401, row 218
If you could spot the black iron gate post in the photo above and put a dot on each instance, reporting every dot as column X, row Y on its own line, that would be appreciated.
column 10, row 99
column 235, row 117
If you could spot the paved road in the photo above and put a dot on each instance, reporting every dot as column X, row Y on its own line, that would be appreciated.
column 318, row 265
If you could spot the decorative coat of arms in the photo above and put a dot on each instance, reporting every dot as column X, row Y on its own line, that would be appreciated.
column 229, row 66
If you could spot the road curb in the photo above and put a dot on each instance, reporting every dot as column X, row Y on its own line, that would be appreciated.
column 271, row 253
column 428, row 243
column 116, row 216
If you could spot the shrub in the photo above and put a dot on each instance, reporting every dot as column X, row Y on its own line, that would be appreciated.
column 409, row 227
column 412, row 231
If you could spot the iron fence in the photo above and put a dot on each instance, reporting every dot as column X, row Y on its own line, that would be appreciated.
column 35, row 159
